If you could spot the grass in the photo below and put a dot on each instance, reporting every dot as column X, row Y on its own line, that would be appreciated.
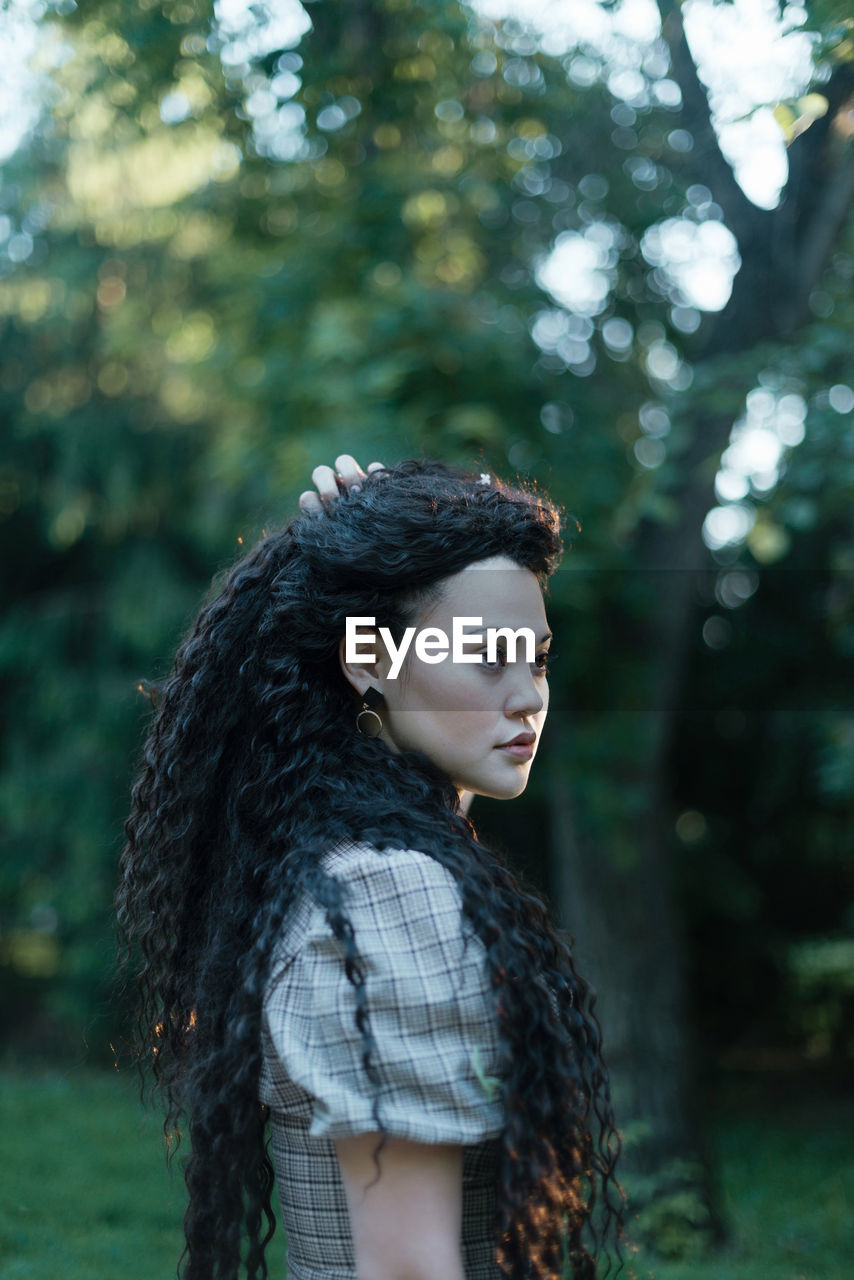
column 83, row 1190
column 84, row 1193
column 784, row 1155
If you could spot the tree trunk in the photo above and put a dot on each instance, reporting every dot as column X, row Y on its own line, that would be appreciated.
column 620, row 905
column 635, row 956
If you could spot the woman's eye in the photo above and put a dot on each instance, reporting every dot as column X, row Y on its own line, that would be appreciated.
column 544, row 662
column 541, row 665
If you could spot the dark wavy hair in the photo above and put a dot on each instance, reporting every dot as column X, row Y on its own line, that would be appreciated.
column 252, row 770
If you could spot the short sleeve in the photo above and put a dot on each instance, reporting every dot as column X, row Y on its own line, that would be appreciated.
column 429, row 1001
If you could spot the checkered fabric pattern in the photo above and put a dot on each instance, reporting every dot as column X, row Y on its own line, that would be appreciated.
column 433, row 1019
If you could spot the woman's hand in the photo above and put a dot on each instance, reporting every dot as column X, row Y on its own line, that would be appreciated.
column 328, row 483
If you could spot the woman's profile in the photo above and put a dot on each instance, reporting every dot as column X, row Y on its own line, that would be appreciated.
column 326, row 954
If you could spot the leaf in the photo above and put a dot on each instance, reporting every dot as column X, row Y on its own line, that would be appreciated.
column 786, row 119
column 812, row 105
column 489, row 1084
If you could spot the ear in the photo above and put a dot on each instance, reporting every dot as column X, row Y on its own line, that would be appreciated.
column 362, row 673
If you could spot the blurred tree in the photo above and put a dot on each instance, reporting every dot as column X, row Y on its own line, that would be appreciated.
column 616, row 863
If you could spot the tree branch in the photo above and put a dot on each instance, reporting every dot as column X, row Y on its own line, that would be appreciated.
column 740, row 214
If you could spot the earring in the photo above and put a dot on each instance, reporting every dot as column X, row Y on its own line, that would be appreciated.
column 372, row 725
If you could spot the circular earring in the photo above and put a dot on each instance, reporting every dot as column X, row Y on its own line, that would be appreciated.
column 371, row 725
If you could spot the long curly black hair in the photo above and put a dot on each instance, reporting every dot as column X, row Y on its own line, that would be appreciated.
column 252, row 770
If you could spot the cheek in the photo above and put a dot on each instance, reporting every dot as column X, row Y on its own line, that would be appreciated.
column 448, row 687
column 454, row 709
column 473, row 700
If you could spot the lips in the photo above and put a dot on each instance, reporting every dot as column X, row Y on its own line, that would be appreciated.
column 521, row 740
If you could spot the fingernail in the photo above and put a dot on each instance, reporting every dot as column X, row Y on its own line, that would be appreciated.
column 355, row 488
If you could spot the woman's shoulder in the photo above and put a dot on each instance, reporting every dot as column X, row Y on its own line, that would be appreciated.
column 395, row 868
column 382, row 891
column 395, row 888
column 425, row 986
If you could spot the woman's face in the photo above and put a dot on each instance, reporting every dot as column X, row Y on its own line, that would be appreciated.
column 461, row 713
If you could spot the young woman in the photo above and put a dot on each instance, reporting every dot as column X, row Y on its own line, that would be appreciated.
column 326, row 947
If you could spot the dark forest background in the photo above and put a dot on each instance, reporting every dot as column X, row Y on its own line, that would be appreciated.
column 222, row 263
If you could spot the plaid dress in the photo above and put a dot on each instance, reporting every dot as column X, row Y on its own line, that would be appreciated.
column 432, row 1016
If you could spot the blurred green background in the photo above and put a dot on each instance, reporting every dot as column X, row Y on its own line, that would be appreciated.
column 237, row 241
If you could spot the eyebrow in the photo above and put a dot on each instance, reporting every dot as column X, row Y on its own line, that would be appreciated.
column 542, row 640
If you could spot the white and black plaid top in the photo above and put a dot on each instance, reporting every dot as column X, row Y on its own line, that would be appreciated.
column 432, row 1015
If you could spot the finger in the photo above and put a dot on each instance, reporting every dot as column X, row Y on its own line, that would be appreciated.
column 348, row 469
column 376, row 466
column 323, row 478
column 310, row 503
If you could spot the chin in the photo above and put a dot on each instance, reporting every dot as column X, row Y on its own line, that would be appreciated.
column 507, row 790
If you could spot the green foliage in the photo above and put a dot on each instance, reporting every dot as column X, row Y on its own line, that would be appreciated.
column 821, row 974
column 668, row 1213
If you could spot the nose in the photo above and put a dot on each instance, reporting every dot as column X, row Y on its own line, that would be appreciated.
column 525, row 695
